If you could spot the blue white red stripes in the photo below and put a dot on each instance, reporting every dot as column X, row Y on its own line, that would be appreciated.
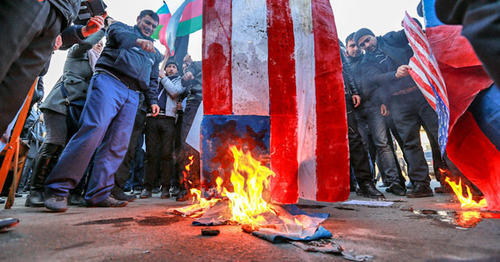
column 425, row 71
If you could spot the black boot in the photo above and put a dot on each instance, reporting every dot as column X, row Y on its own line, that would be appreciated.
column 45, row 162
column 368, row 189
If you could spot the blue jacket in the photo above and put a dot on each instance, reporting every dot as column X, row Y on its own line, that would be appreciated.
column 135, row 67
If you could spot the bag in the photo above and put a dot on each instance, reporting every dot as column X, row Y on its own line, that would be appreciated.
column 73, row 112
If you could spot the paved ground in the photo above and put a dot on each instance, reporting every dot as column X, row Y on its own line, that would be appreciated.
column 409, row 230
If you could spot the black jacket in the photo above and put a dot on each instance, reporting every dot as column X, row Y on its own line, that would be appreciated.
column 380, row 76
column 132, row 65
column 68, row 8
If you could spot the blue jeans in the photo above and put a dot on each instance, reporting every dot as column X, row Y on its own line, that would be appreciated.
column 106, row 124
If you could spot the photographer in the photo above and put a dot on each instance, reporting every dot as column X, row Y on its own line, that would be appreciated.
column 29, row 29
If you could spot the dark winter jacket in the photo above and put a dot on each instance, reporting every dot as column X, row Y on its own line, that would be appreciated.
column 135, row 67
column 379, row 75
column 68, row 8
column 193, row 92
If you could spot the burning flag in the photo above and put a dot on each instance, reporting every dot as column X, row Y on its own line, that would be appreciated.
column 272, row 75
column 468, row 147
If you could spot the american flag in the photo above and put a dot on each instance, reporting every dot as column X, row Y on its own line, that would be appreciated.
column 425, row 71
column 280, row 59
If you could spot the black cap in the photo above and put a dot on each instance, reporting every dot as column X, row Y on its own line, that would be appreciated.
column 361, row 32
column 171, row 60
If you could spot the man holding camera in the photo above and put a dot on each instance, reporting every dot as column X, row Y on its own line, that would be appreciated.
column 29, row 29
column 128, row 65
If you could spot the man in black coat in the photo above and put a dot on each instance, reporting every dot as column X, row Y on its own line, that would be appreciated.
column 386, row 68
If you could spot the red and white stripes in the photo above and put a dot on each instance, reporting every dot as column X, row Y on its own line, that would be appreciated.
column 280, row 58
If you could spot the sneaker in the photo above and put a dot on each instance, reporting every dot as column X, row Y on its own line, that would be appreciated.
column 165, row 193
column 174, row 191
column 56, row 203
column 369, row 190
column 420, row 191
column 34, row 199
column 76, row 200
column 396, row 189
column 118, row 194
column 146, row 193
column 110, row 202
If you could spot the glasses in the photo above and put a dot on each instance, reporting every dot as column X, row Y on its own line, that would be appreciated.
column 364, row 42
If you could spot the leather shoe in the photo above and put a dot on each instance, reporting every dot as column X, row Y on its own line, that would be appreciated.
column 34, row 199
column 369, row 190
column 146, row 193
column 165, row 193
column 76, row 200
column 56, row 203
column 119, row 194
column 396, row 189
column 110, row 202
column 420, row 191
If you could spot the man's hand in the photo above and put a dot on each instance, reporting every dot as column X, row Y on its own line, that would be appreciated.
column 146, row 45
column 155, row 110
column 402, row 71
column 383, row 110
column 188, row 60
column 93, row 25
column 356, row 100
column 162, row 73
column 188, row 76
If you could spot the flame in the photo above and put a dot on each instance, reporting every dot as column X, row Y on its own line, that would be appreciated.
column 249, row 178
column 187, row 168
column 466, row 202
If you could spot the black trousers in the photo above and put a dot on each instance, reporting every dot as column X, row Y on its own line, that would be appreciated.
column 357, row 152
column 123, row 172
column 28, row 29
column 410, row 112
column 159, row 147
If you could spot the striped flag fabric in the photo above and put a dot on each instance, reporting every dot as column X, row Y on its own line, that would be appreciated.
column 164, row 15
column 425, row 72
column 185, row 20
column 278, row 62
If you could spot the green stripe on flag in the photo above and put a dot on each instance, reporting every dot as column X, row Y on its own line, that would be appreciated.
column 190, row 26
column 156, row 34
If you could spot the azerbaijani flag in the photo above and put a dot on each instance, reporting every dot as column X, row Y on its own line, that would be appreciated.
column 186, row 20
column 164, row 14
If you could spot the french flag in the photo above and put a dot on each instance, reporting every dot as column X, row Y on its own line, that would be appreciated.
column 279, row 61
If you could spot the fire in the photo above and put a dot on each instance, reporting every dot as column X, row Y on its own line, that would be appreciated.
column 466, row 202
column 249, row 178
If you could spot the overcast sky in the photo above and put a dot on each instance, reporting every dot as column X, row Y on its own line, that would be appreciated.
column 381, row 16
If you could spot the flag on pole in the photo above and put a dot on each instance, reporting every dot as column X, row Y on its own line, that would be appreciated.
column 425, row 71
column 185, row 20
column 164, row 14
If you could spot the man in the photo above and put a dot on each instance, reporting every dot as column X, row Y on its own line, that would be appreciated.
column 128, row 64
column 192, row 80
column 28, row 30
column 160, row 132
column 386, row 68
column 357, row 153
column 369, row 111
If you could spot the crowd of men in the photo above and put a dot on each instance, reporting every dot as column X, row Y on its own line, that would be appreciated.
column 129, row 94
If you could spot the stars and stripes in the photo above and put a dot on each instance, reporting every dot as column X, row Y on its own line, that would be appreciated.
column 425, row 72
column 280, row 59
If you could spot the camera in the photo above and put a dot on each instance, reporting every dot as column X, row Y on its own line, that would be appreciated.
column 88, row 9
